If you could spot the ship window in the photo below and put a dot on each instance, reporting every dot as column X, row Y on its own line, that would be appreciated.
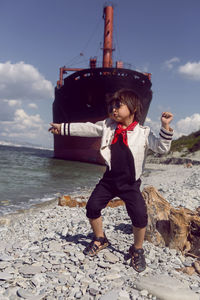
column 77, row 78
column 87, row 75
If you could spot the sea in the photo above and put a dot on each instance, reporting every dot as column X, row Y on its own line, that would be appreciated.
column 29, row 176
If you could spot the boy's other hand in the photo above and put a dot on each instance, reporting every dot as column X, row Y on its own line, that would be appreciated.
column 166, row 118
column 55, row 128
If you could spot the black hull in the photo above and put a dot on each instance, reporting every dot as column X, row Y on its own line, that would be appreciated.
column 82, row 98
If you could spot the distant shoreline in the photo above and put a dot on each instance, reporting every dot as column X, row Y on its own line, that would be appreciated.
column 8, row 144
column 177, row 158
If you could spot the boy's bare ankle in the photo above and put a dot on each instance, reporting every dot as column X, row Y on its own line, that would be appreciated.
column 138, row 247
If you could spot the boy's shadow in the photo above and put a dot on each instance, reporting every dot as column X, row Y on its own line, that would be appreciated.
column 82, row 239
column 124, row 228
column 76, row 239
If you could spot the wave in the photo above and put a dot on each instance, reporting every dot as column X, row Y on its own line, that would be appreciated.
column 9, row 208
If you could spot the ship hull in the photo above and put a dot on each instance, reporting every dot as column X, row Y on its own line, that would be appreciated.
column 82, row 99
column 78, row 148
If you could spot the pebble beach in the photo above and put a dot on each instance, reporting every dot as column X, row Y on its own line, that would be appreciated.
column 41, row 250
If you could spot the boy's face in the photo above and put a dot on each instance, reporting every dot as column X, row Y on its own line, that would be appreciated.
column 120, row 112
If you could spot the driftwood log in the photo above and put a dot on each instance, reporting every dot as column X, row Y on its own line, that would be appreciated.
column 176, row 228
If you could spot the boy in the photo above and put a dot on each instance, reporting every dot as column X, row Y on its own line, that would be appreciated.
column 124, row 146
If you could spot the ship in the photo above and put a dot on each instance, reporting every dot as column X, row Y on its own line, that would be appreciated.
column 80, row 96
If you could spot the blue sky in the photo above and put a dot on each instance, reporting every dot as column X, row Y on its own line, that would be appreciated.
column 39, row 36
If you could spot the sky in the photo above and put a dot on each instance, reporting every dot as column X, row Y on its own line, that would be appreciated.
column 37, row 37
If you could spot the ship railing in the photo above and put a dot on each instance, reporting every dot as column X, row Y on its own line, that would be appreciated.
column 144, row 78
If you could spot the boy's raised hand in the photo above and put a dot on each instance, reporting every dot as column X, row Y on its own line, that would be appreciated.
column 55, row 128
column 166, row 118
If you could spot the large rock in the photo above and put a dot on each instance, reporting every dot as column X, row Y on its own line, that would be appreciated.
column 166, row 288
column 30, row 270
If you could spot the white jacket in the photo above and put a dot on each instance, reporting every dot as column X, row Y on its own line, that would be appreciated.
column 139, row 140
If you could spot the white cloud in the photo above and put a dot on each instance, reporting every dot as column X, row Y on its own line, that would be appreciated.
column 23, row 119
column 7, row 109
column 25, row 127
column 148, row 120
column 33, row 105
column 154, row 125
column 190, row 70
column 188, row 125
column 13, row 102
column 182, row 127
column 143, row 69
column 169, row 64
column 23, row 81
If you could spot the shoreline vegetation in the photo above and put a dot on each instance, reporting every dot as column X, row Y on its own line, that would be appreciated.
column 175, row 158
column 185, row 149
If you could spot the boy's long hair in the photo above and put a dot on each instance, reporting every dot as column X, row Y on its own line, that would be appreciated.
column 130, row 98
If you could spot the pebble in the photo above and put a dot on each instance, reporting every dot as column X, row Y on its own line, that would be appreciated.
column 41, row 252
column 111, row 295
column 112, row 276
column 5, row 276
column 4, row 257
column 30, row 270
column 93, row 291
column 24, row 293
column 110, row 257
column 123, row 295
column 65, row 231
column 144, row 293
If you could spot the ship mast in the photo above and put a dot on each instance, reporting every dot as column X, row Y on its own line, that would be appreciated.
column 108, row 37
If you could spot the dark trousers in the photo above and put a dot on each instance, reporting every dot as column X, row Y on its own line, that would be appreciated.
column 107, row 189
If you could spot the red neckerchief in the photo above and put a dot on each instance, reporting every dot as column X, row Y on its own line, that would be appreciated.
column 123, row 131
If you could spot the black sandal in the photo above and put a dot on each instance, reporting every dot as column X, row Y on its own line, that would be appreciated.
column 92, row 249
column 137, row 259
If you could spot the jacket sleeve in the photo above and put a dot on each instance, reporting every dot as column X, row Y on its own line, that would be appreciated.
column 162, row 143
column 87, row 129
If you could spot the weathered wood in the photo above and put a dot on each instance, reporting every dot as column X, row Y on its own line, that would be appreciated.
column 177, row 228
column 158, row 217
